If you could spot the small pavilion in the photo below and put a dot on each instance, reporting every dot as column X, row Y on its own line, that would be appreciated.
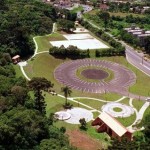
column 106, row 123
column 16, row 59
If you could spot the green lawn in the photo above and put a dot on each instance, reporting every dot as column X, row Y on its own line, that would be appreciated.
column 43, row 42
column 125, row 101
column 121, row 14
column 117, row 109
column 93, row 103
column 110, row 96
column 55, row 103
column 128, row 120
column 138, row 104
column 77, row 9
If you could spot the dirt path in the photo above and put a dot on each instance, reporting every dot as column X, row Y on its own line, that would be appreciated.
column 82, row 141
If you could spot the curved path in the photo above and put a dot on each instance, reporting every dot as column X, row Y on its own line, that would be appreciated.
column 66, row 74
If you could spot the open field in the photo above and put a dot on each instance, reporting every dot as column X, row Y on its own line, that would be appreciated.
column 43, row 41
column 121, row 14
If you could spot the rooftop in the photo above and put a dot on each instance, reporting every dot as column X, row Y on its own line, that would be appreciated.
column 116, row 126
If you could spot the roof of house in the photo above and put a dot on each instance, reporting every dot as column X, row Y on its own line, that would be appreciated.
column 110, row 121
column 104, row 6
column 15, row 57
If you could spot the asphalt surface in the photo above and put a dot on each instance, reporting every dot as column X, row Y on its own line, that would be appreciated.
column 123, row 78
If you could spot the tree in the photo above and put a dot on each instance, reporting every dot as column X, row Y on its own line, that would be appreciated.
column 83, row 124
column 105, row 16
column 67, row 92
column 22, row 128
column 20, row 94
column 122, row 145
column 65, row 24
column 37, row 84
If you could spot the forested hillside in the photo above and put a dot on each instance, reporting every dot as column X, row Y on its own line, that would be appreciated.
column 22, row 125
column 19, row 19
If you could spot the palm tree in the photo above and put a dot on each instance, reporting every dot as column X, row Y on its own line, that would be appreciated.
column 67, row 92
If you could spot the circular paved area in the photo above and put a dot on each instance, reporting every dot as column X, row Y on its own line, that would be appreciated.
column 126, row 110
column 94, row 74
column 66, row 74
column 78, row 113
column 62, row 115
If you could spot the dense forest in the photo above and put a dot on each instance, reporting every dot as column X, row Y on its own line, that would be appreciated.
column 20, row 20
column 23, row 124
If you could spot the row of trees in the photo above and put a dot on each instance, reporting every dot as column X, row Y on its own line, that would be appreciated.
column 71, row 52
column 109, row 52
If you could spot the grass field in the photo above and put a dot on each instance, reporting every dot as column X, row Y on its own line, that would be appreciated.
column 128, row 120
column 43, row 42
column 77, row 9
column 93, row 103
column 121, row 14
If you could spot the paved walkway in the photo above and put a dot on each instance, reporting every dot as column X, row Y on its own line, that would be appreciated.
column 139, row 115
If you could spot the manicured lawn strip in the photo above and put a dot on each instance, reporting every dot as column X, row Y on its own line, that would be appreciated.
column 79, row 71
column 43, row 42
column 93, row 103
column 121, row 14
column 125, row 101
column 110, row 96
column 128, row 120
column 138, row 104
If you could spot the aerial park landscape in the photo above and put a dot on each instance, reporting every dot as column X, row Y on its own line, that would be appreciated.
column 87, row 80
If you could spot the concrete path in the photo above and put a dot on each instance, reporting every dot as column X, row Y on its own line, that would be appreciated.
column 139, row 115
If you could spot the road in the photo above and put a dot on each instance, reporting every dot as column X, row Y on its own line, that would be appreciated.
column 132, row 56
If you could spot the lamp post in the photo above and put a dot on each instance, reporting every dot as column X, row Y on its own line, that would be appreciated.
column 142, row 59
